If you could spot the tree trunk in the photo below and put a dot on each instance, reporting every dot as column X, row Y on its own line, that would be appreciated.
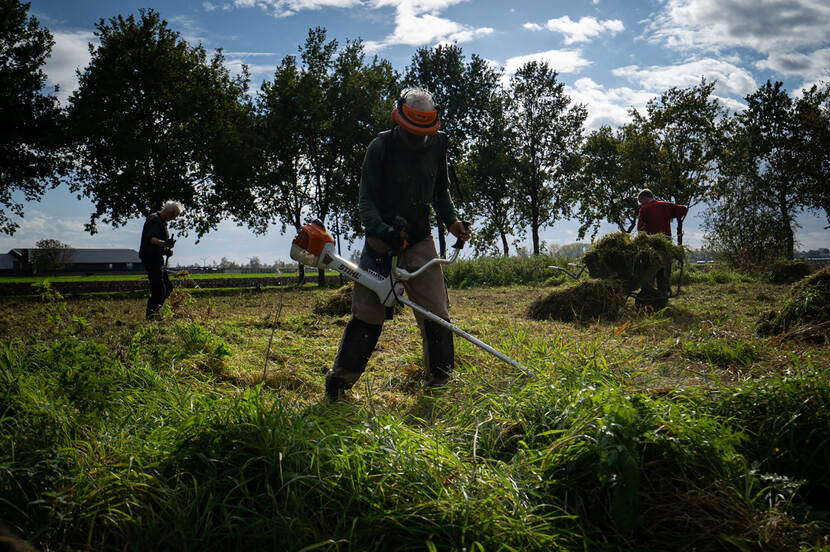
column 300, row 274
column 504, row 243
column 680, row 231
column 787, row 227
column 534, row 230
column 321, row 277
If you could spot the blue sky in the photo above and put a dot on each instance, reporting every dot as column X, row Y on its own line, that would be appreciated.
column 612, row 55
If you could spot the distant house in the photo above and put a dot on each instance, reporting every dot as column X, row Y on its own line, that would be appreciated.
column 20, row 261
column 9, row 264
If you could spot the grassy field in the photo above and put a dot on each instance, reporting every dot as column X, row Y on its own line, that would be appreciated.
column 143, row 276
column 677, row 430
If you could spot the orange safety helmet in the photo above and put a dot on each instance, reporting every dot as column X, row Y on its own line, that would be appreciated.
column 415, row 121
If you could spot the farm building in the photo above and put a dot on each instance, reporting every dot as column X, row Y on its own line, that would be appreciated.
column 25, row 261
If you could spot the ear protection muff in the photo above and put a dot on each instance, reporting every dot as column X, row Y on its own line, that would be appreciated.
column 415, row 121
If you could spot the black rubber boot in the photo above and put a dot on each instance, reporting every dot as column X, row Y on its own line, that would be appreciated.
column 441, row 352
column 359, row 340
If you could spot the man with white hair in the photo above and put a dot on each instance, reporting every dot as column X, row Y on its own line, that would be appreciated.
column 404, row 173
column 155, row 244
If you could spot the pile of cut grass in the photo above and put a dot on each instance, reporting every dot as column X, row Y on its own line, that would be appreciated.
column 582, row 301
column 336, row 302
column 806, row 312
column 632, row 261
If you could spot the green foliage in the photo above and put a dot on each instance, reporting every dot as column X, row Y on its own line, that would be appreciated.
column 616, row 165
column 634, row 262
column 686, row 126
column 502, row 271
column 723, row 352
column 710, row 274
column 584, row 301
column 786, row 422
column 32, row 137
column 144, row 441
column 549, row 134
column 154, row 119
column 50, row 255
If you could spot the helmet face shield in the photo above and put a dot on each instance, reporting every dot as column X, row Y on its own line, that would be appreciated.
column 415, row 121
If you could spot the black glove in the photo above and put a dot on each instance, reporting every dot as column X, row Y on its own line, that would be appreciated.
column 393, row 239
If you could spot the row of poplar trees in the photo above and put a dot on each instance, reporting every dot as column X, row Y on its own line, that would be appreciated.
column 156, row 118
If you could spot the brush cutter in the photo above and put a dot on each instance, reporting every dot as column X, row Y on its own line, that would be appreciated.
column 314, row 247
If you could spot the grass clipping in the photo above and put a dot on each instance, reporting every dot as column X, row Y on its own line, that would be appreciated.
column 632, row 261
column 806, row 314
column 337, row 302
column 583, row 301
column 618, row 264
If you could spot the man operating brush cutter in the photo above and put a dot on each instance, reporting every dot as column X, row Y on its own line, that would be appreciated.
column 404, row 172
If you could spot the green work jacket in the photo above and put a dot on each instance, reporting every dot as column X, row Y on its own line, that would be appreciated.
column 414, row 180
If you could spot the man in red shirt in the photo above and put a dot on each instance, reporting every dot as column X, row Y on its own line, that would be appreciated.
column 655, row 218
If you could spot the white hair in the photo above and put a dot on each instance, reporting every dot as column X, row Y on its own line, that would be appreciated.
column 419, row 98
column 173, row 206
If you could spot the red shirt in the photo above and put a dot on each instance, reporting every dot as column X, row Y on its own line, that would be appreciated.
column 655, row 216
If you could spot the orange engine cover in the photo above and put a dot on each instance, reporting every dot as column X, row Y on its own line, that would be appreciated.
column 312, row 238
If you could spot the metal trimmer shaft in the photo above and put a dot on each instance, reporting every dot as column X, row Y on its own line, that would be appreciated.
column 456, row 330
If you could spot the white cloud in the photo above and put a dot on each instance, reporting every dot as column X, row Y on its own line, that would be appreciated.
column 580, row 31
column 418, row 23
column 70, row 52
column 207, row 6
column 812, row 65
column 730, row 78
column 777, row 28
column 563, row 61
column 286, row 8
column 532, row 26
column 607, row 106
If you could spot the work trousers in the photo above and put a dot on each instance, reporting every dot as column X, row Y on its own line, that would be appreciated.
column 160, row 287
column 428, row 290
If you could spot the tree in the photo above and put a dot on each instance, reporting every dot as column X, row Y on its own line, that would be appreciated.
column 281, row 191
column 50, row 256
column 812, row 112
column 489, row 174
column 32, row 137
column 549, row 132
column 763, row 172
column 686, row 125
column 154, row 119
column 615, row 166
column 255, row 263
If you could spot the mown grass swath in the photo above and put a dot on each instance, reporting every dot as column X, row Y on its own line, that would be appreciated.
column 164, row 436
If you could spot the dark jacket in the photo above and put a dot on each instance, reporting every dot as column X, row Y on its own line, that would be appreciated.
column 396, row 181
column 154, row 227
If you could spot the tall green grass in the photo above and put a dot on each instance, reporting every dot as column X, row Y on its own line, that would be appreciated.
column 504, row 271
column 150, row 449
